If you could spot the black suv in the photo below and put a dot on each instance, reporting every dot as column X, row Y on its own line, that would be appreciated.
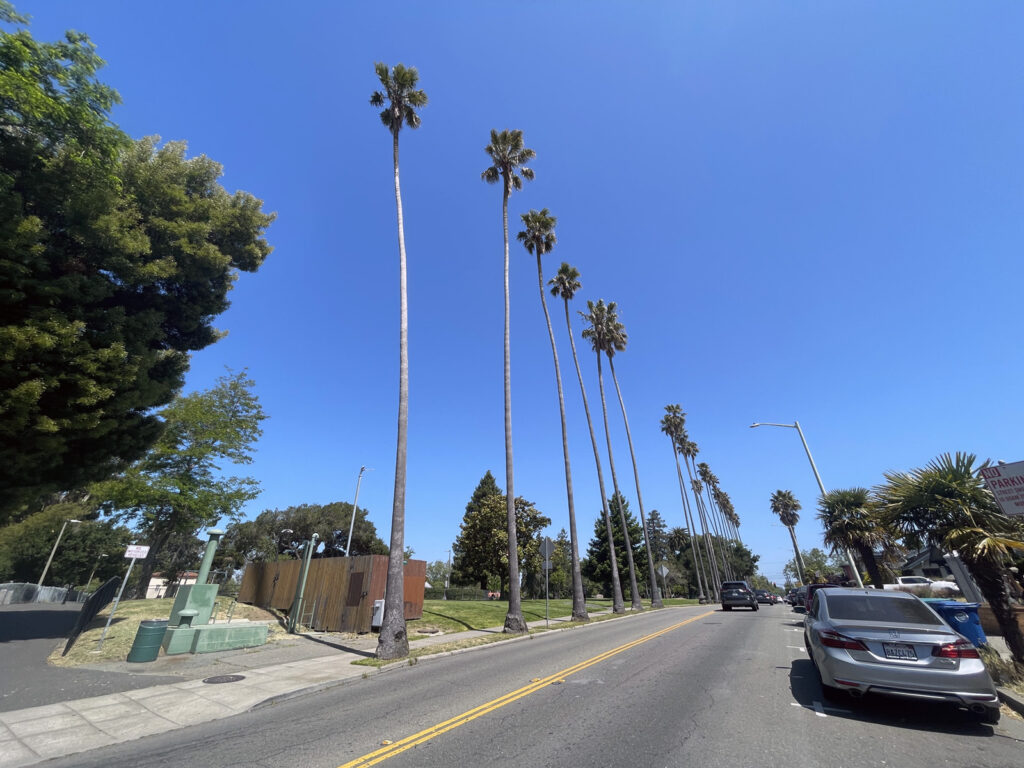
column 737, row 594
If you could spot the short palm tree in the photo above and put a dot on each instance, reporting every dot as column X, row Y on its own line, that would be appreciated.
column 947, row 504
column 785, row 505
column 399, row 98
column 619, row 344
column 851, row 522
column 508, row 165
column 672, row 424
column 539, row 238
column 565, row 284
column 604, row 336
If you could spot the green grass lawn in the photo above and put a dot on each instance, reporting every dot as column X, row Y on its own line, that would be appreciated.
column 458, row 616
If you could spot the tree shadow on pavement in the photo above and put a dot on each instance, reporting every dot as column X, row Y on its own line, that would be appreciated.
column 339, row 646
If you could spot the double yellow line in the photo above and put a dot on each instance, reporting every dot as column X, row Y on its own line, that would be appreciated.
column 408, row 742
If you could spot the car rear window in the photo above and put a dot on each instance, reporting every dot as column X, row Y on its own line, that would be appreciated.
column 733, row 585
column 877, row 608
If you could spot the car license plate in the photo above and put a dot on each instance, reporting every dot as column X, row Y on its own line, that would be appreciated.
column 900, row 651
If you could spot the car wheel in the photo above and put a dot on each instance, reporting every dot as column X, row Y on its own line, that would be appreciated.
column 755, row 606
column 726, row 607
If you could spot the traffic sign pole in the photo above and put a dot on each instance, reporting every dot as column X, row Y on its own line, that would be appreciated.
column 134, row 551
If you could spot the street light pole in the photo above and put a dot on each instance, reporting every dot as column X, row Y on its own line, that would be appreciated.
column 96, row 565
column 54, row 550
column 821, row 486
column 352, row 522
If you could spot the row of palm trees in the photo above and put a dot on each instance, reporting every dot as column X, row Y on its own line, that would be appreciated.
column 398, row 100
column 944, row 504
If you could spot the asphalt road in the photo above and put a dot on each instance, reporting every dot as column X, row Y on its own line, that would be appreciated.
column 28, row 634
column 678, row 687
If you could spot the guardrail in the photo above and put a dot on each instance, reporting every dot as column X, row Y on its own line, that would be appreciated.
column 14, row 593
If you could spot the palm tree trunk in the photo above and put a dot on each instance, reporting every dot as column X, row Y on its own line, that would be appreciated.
column 634, row 593
column 716, row 579
column 718, row 531
column 617, row 603
column 799, row 560
column 579, row 604
column 514, row 622
column 867, row 556
column 993, row 587
column 393, row 642
column 698, row 564
column 655, row 595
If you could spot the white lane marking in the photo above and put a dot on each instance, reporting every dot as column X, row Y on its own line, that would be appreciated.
column 818, row 710
column 794, row 630
column 797, row 648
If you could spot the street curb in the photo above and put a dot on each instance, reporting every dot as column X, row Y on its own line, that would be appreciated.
column 1012, row 699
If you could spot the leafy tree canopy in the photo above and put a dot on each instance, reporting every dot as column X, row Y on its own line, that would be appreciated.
column 25, row 546
column 178, row 487
column 481, row 549
column 115, row 257
column 820, row 566
column 598, row 564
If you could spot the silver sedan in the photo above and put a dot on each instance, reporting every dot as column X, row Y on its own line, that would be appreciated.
column 892, row 643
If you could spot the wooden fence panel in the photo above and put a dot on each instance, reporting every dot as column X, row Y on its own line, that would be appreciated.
column 340, row 591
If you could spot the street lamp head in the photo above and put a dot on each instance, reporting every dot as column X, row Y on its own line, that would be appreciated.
column 74, row 521
column 755, row 424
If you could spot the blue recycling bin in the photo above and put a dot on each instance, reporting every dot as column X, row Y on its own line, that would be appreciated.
column 963, row 617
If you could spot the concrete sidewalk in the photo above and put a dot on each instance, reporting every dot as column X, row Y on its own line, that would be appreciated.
column 30, row 735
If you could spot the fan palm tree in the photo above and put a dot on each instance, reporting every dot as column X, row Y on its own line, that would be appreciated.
column 689, row 451
column 851, row 522
column 618, row 344
column 947, row 504
column 604, row 336
column 785, row 505
column 672, row 424
column 710, row 483
column 508, row 165
column 565, row 284
column 539, row 238
column 399, row 99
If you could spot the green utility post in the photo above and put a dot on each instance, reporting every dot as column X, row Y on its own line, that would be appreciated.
column 300, row 588
column 211, row 549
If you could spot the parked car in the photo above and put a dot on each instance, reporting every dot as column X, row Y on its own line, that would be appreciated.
column 893, row 644
column 737, row 594
column 798, row 598
column 764, row 596
column 902, row 582
column 812, row 588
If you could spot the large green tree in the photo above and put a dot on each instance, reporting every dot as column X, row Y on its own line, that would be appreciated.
column 481, row 549
column 598, row 562
column 509, row 157
column 115, row 258
column 538, row 238
column 946, row 503
column 26, row 545
column 399, row 99
column 600, row 327
column 565, row 284
column 179, row 486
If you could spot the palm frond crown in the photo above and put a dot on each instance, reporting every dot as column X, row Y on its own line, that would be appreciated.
column 400, row 98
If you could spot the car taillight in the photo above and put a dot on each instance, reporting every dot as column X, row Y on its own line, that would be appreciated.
column 961, row 649
column 832, row 639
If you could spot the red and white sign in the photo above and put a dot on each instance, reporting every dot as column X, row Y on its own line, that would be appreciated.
column 1006, row 481
column 136, row 552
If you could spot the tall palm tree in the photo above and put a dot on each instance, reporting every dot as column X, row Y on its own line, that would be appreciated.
column 604, row 337
column 508, row 165
column 851, row 521
column 689, row 450
column 785, row 505
column 947, row 504
column 672, row 424
column 539, row 238
column 709, row 481
column 399, row 99
column 619, row 343
column 565, row 284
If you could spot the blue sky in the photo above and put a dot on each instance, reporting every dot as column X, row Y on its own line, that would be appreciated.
column 804, row 210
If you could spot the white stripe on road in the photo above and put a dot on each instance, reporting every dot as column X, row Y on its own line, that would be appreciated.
column 797, row 648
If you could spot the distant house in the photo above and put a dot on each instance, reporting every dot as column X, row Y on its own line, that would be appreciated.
column 161, row 586
column 926, row 562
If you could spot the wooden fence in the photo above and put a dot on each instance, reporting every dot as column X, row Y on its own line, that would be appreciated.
column 339, row 590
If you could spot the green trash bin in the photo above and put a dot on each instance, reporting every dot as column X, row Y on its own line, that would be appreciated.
column 147, row 641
